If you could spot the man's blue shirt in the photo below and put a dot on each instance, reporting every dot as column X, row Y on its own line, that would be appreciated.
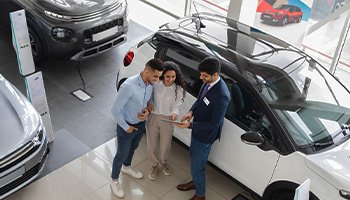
column 132, row 98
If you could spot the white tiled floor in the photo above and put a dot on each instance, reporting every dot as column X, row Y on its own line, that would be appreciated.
column 88, row 177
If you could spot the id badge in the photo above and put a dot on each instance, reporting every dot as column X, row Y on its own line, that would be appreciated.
column 206, row 101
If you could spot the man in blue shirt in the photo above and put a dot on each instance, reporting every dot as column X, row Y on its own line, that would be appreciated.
column 130, row 112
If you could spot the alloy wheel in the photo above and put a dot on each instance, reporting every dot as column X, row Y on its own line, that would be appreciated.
column 33, row 45
column 284, row 21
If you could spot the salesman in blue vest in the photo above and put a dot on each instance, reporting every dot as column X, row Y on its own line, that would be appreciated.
column 208, row 113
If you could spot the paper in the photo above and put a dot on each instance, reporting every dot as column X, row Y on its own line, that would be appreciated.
column 171, row 121
column 302, row 192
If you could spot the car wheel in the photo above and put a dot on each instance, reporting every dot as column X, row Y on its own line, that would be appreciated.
column 284, row 21
column 287, row 194
column 298, row 20
column 37, row 47
column 284, row 194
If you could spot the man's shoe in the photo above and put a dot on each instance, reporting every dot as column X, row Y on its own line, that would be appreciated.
column 132, row 172
column 195, row 197
column 117, row 189
column 166, row 169
column 153, row 173
column 186, row 186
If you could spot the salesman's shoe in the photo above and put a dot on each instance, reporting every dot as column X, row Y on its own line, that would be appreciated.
column 195, row 197
column 186, row 186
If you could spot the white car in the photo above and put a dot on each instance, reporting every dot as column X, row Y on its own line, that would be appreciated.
column 23, row 140
column 288, row 118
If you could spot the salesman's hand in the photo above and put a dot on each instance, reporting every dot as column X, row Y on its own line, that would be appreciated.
column 131, row 129
column 187, row 117
column 143, row 116
column 184, row 124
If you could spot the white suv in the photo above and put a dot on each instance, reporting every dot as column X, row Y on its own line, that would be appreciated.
column 288, row 117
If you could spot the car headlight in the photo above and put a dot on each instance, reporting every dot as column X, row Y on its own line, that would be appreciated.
column 57, row 16
column 39, row 136
column 61, row 33
column 345, row 194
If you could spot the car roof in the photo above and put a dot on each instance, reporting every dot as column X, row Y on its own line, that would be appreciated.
column 243, row 41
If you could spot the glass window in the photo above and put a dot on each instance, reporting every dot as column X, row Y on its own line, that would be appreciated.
column 310, row 103
column 175, row 7
column 188, row 65
column 244, row 110
column 217, row 7
column 323, row 42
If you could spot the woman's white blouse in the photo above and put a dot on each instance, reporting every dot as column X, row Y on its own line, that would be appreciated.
column 165, row 100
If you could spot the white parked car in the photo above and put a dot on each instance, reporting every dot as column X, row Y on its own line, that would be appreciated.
column 23, row 140
column 288, row 118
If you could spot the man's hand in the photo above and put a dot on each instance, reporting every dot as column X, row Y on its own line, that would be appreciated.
column 131, row 129
column 187, row 117
column 143, row 116
column 173, row 116
column 184, row 124
column 150, row 106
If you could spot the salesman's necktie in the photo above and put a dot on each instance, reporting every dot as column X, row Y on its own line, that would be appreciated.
column 204, row 91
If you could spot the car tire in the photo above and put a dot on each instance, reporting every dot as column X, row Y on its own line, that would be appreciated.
column 284, row 194
column 287, row 194
column 36, row 44
column 284, row 21
column 298, row 19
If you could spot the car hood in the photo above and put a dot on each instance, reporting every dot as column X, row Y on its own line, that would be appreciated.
column 333, row 165
column 74, row 7
column 18, row 119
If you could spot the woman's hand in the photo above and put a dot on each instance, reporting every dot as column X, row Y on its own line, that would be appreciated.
column 173, row 116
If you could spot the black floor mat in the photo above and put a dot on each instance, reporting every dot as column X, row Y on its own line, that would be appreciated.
column 240, row 197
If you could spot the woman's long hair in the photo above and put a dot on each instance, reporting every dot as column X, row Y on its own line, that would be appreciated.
column 179, row 81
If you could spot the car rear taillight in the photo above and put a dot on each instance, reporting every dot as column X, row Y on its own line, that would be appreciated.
column 129, row 56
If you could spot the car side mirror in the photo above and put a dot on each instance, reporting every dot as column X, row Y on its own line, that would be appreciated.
column 252, row 138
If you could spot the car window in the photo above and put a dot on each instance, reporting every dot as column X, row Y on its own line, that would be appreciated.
column 271, row 2
column 283, row 7
column 188, row 64
column 245, row 111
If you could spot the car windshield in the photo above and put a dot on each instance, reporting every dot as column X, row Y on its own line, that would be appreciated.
column 283, row 7
column 309, row 102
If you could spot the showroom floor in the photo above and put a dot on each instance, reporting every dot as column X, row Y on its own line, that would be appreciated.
column 79, row 164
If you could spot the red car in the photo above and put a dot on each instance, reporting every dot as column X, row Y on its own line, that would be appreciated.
column 282, row 14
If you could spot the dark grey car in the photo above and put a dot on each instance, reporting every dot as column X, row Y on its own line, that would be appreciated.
column 70, row 29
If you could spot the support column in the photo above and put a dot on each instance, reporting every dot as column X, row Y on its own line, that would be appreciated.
column 340, row 44
column 243, row 11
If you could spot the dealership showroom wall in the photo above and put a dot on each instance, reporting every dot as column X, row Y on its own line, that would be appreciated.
column 80, row 153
